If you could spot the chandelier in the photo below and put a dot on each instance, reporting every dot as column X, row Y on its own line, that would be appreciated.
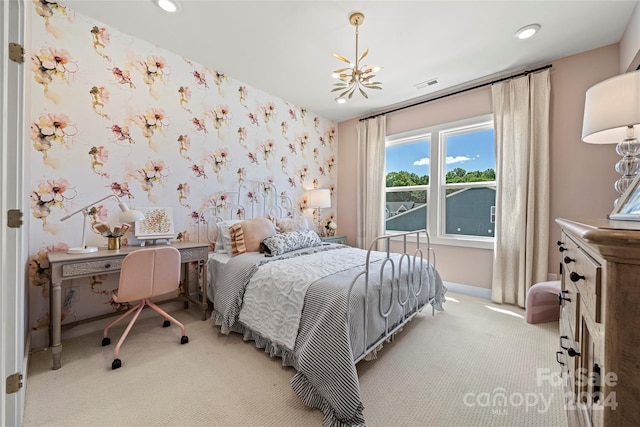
column 355, row 76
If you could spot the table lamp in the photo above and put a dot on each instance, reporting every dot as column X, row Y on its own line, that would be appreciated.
column 612, row 115
column 317, row 199
column 127, row 215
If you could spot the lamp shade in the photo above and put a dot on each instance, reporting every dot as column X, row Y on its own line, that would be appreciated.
column 610, row 108
column 131, row 215
column 319, row 198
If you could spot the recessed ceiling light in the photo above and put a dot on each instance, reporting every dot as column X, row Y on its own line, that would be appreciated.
column 528, row 31
column 168, row 5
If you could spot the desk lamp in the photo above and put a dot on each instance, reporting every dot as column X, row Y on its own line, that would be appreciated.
column 127, row 215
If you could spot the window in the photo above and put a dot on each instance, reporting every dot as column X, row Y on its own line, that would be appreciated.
column 442, row 178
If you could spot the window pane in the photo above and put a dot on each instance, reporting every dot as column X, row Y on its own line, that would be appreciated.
column 471, row 211
column 408, row 164
column 470, row 156
column 406, row 210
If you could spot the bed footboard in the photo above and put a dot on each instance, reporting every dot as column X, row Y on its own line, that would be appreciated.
column 400, row 292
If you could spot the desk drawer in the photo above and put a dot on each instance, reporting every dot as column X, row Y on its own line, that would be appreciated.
column 194, row 254
column 91, row 267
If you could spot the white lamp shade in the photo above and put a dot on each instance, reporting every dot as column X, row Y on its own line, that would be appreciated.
column 319, row 198
column 610, row 108
column 131, row 215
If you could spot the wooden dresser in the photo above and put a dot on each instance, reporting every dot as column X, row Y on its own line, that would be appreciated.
column 599, row 345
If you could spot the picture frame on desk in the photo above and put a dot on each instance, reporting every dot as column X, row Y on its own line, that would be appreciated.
column 628, row 207
column 156, row 225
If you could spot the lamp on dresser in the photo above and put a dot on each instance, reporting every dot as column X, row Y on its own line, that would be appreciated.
column 317, row 199
column 612, row 116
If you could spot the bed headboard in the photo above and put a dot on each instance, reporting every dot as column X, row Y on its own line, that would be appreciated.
column 252, row 199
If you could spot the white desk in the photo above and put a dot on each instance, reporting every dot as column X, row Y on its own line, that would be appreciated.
column 63, row 266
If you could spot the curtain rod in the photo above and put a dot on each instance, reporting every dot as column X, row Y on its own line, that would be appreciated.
column 524, row 73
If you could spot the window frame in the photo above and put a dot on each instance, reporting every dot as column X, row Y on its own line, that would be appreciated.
column 436, row 190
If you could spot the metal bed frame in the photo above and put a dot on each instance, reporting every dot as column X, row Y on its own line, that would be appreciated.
column 262, row 198
column 413, row 285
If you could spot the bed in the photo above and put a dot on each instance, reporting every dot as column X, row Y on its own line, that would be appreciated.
column 320, row 307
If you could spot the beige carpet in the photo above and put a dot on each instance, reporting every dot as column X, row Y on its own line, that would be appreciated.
column 475, row 364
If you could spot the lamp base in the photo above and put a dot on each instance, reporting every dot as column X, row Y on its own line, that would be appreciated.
column 85, row 250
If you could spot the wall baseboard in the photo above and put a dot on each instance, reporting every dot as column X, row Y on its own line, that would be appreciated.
column 473, row 291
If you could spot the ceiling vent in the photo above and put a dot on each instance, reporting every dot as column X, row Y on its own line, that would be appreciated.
column 427, row 83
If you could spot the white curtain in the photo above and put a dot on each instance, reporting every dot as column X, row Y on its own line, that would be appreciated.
column 371, row 180
column 521, row 116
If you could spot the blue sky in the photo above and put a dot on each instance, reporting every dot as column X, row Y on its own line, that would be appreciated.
column 470, row 151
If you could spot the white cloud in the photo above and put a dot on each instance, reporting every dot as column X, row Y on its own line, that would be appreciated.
column 457, row 159
column 422, row 162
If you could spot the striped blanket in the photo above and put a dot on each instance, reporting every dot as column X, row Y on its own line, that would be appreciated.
column 323, row 354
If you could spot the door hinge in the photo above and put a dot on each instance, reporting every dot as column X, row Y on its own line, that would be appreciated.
column 16, row 53
column 14, row 383
column 14, row 218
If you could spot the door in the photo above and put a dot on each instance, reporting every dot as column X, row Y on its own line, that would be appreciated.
column 12, row 246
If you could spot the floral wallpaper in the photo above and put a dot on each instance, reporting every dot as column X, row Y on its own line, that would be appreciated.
column 112, row 114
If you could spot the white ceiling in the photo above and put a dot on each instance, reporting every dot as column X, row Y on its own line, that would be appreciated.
column 285, row 47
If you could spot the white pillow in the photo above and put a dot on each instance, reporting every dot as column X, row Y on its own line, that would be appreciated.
column 223, row 242
column 284, row 225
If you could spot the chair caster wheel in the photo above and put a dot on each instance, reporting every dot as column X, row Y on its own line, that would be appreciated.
column 184, row 339
column 166, row 324
column 106, row 341
column 116, row 364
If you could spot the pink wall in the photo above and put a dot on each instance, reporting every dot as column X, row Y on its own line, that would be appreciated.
column 582, row 175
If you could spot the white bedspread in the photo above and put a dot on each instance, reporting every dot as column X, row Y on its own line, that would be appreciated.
column 273, row 308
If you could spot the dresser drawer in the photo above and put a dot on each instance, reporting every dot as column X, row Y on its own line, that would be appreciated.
column 91, row 267
column 586, row 274
column 570, row 307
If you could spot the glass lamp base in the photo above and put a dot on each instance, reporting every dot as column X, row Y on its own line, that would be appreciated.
column 628, row 166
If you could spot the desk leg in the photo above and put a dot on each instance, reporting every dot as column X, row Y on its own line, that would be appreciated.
column 186, row 287
column 55, row 321
column 203, row 274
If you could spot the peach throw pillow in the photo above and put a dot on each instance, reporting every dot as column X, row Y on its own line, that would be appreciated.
column 247, row 235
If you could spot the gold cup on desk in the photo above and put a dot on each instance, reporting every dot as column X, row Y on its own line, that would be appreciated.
column 113, row 237
column 113, row 243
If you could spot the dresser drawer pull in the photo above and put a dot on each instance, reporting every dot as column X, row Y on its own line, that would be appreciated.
column 596, row 386
column 562, row 249
column 107, row 265
column 571, row 352
column 562, row 298
column 568, row 260
column 561, row 338
column 557, row 359
column 559, row 243
column 576, row 277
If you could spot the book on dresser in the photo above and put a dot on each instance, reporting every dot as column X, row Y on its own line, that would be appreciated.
column 599, row 343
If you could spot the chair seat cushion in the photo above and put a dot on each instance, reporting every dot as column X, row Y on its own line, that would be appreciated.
column 542, row 302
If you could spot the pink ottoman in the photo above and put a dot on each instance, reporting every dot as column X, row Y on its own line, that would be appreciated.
column 542, row 302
